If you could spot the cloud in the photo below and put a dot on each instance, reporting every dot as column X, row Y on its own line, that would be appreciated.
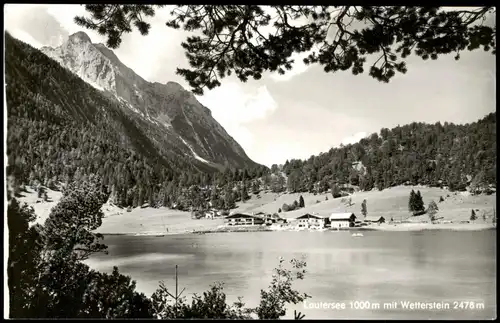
column 50, row 25
column 354, row 138
column 24, row 37
column 234, row 107
column 33, row 24
column 298, row 67
column 157, row 55
column 135, row 48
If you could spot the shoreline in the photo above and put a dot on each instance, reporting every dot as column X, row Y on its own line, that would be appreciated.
column 405, row 227
column 387, row 203
column 221, row 229
column 429, row 227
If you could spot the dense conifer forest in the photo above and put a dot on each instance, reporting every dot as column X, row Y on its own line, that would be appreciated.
column 437, row 155
column 57, row 135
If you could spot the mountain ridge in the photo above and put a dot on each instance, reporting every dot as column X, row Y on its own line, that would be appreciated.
column 61, row 129
column 165, row 108
column 57, row 134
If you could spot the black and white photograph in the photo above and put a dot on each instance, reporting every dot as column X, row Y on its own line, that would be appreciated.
column 249, row 162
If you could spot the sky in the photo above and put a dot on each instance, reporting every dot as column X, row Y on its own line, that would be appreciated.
column 306, row 111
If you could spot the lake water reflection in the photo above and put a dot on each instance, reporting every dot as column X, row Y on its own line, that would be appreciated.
column 381, row 267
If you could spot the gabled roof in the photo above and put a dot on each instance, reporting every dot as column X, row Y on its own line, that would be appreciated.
column 374, row 217
column 310, row 216
column 341, row 216
column 240, row 215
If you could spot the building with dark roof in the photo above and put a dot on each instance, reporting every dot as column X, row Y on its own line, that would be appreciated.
column 243, row 219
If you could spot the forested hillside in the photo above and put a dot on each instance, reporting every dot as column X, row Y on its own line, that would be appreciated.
column 60, row 129
column 417, row 154
column 170, row 117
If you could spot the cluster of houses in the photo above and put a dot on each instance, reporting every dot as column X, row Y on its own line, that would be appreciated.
column 306, row 221
column 214, row 214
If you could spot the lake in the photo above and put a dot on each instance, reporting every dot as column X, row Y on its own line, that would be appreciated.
column 372, row 277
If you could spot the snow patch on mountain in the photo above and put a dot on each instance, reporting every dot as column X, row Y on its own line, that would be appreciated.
column 137, row 92
column 94, row 84
column 194, row 153
column 196, row 137
column 130, row 106
column 157, row 104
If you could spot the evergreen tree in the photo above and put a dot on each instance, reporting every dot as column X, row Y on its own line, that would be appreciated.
column 256, row 187
column 301, row 202
column 214, row 198
column 335, row 191
column 244, row 193
column 24, row 256
column 40, row 191
column 411, row 201
column 166, row 199
column 267, row 181
column 229, row 199
column 473, row 216
column 479, row 183
column 135, row 202
column 151, row 199
column 419, row 203
column 432, row 210
column 71, row 224
column 363, row 208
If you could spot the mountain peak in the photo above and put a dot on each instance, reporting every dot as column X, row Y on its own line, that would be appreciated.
column 158, row 120
column 175, row 86
column 108, row 53
column 80, row 37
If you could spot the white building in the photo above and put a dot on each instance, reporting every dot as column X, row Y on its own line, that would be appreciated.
column 342, row 220
column 311, row 221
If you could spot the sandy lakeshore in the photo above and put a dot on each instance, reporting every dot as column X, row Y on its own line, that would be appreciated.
column 164, row 221
column 150, row 221
column 430, row 226
column 390, row 203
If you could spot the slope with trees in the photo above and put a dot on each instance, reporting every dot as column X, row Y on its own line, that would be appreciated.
column 58, row 135
column 234, row 39
column 47, row 278
column 437, row 155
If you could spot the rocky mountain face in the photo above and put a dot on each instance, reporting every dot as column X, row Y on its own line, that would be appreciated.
column 168, row 114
